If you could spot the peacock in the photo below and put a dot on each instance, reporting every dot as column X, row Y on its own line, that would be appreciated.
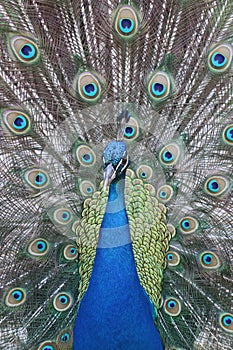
column 116, row 174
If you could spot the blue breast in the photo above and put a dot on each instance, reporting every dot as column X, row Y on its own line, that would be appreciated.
column 115, row 312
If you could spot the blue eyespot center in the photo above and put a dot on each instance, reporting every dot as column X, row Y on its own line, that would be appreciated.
column 90, row 90
column 65, row 215
column 87, row 158
column 89, row 190
column 167, row 156
column 63, row 299
column 20, row 122
column 229, row 134
column 40, row 179
column 48, row 347
column 158, row 89
column 41, row 246
column 185, row 224
column 163, row 194
column 65, row 338
column 129, row 131
column 73, row 251
column 143, row 175
column 227, row 320
column 213, row 186
column 171, row 304
column 170, row 257
column 28, row 51
column 218, row 60
column 207, row 258
column 126, row 25
column 17, row 295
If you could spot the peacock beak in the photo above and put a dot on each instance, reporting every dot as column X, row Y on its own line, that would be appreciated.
column 109, row 175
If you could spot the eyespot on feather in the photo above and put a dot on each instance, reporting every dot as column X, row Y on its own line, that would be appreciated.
column 209, row 260
column 24, row 49
column 188, row 224
column 165, row 193
column 62, row 216
column 131, row 130
column 70, row 252
column 65, row 339
column 169, row 154
column 87, row 188
column 144, row 172
column 62, row 301
column 226, row 322
column 172, row 306
column 15, row 297
column 216, row 185
column 36, row 178
column 17, row 122
column 173, row 258
column 227, row 135
column 126, row 22
column 220, row 58
column 38, row 247
column 84, row 155
column 159, row 87
column 88, row 86
column 48, row 345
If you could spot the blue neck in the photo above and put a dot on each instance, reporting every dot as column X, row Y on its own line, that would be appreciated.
column 114, row 230
column 115, row 312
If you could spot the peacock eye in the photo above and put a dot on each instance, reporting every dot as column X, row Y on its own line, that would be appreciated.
column 24, row 49
column 216, row 185
column 62, row 216
column 173, row 258
column 228, row 134
column 85, row 155
column 126, row 22
column 131, row 130
column 87, row 188
column 36, row 178
column 38, row 247
column 70, row 252
column 169, row 154
column 16, row 122
column 172, row 306
column 144, row 172
column 220, row 58
column 209, row 260
column 159, row 86
column 88, row 86
column 165, row 193
column 62, row 301
column 188, row 225
column 226, row 322
column 65, row 339
column 15, row 297
column 48, row 345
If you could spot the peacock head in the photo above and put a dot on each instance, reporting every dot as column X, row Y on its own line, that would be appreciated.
column 115, row 160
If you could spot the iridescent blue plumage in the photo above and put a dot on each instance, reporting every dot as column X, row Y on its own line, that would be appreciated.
column 115, row 302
